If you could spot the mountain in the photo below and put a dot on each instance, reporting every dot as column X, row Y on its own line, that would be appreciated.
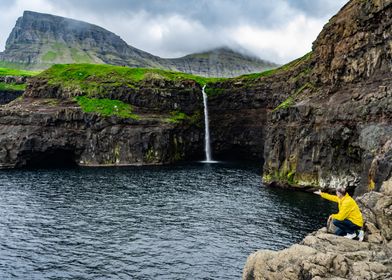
column 40, row 40
column 221, row 62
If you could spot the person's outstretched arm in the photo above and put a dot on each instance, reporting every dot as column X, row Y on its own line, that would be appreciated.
column 330, row 197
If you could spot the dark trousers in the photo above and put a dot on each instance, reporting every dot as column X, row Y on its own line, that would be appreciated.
column 344, row 227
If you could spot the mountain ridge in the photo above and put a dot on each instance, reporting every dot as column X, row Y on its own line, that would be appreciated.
column 39, row 40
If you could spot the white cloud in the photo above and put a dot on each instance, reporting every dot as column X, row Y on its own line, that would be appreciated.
column 14, row 10
column 280, row 32
column 282, row 44
column 165, row 36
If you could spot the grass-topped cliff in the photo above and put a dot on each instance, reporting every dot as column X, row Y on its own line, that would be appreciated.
column 92, row 76
column 17, row 72
column 103, row 85
column 120, row 91
column 13, row 79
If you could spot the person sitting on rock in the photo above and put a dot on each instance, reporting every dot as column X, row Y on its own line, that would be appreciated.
column 348, row 220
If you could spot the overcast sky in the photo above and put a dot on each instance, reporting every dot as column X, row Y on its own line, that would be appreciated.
column 275, row 30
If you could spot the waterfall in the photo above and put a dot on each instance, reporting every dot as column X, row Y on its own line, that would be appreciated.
column 207, row 146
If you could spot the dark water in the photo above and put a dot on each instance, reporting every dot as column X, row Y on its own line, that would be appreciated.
column 193, row 221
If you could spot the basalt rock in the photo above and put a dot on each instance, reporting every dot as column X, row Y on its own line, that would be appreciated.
column 336, row 129
column 47, row 127
column 7, row 95
column 13, row 79
column 239, row 110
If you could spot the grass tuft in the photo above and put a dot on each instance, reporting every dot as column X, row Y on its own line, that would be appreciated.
column 12, row 87
column 15, row 72
column 105, row 107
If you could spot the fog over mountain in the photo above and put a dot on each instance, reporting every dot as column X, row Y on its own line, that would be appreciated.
column 278, row 31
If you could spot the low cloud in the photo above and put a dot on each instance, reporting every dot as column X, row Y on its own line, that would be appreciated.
column 279, row 30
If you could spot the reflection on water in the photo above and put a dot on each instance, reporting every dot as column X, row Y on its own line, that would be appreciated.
column 192, row 221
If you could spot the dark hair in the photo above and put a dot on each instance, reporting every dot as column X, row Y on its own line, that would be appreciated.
column 341, row 190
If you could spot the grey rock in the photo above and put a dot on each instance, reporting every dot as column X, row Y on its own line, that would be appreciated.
column 322, row 255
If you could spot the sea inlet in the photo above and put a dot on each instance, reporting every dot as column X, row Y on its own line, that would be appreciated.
column 188, row 221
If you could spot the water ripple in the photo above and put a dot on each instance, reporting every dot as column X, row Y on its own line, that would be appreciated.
column 181, row 222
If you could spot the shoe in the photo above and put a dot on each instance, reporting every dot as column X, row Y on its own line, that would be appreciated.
column 351, row 236
column 361, row 234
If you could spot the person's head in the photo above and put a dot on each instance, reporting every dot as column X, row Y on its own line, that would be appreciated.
column 340, row 191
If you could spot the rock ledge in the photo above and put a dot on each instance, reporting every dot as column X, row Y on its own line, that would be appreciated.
column 322, row 255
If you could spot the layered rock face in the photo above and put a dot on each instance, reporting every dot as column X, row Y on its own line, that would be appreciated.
column 322, row 255
column 40, row 40
column 239, row 110
column 7, row 96
column 46, row 127
column 336, row 129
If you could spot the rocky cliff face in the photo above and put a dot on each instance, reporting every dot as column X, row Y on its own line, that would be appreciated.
column 239, row 110
column 40, row 40
column 335, row 128
column 48, row 127
column 9, row 94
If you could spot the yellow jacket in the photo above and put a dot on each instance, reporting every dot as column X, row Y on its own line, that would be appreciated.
column 348, row 208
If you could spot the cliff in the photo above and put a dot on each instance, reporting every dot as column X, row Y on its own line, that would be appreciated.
column 338, row 129
column 93, row 115
column 12, row 84
column 40, row 40
column 323, row 120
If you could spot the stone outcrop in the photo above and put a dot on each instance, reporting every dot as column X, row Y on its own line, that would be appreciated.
column 7, row 95
column 40, row 40
column 322, row 255
column 13, row 79
column 239, row 110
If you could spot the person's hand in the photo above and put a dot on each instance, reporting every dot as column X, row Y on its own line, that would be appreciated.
column 329, row 218
column 317, row 192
